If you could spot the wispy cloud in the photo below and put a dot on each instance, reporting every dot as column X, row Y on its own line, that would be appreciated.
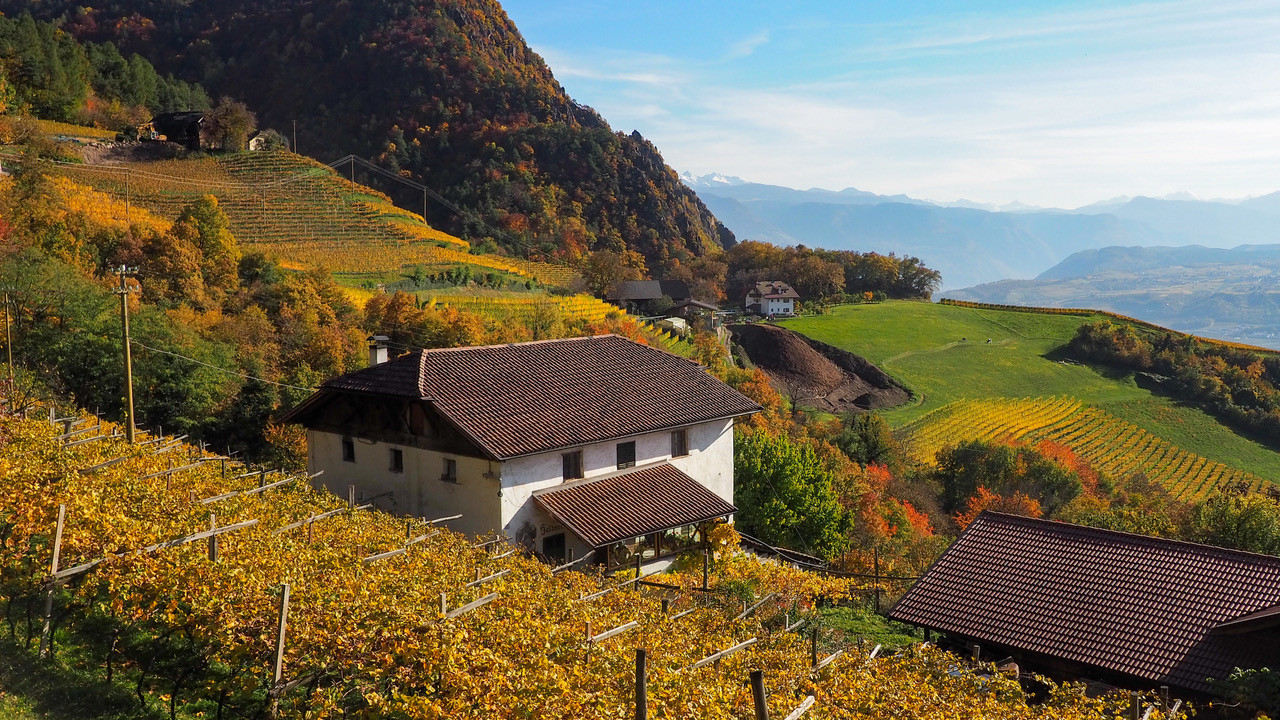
column 1054, row 108
column 747, row 46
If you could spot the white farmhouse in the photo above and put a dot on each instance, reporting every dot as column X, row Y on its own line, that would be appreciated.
column 771, row 297
column 587, row 445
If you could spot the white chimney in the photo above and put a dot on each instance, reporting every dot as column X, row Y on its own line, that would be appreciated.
column 377, row 349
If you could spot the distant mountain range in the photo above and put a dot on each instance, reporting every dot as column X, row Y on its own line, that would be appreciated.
column 971, row 243
column 1231, row 294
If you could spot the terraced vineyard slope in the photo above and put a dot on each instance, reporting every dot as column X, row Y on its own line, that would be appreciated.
column 303, row 212
column 396, row 618
column 1115, row 447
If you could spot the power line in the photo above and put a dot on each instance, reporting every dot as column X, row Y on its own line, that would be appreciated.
column 221, row 369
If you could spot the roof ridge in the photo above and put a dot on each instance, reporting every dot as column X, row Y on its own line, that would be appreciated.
column 1147, row 539
column 525, row 343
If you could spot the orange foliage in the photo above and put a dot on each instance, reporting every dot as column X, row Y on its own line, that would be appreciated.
column 919, row 521
column 1018, row 504
column 1067, row 458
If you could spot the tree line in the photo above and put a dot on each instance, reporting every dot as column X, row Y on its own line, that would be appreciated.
column 1236, row 385
column 48, row 73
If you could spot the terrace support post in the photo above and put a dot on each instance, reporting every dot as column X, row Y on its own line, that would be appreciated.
column 757, row 694
column 642, row 690
column 1135, row 705
column 813, row 646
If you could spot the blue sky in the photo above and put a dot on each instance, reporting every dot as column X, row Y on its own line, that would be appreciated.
column 1055, row 104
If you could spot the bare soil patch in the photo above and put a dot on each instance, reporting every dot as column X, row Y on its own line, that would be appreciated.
column 815, row 374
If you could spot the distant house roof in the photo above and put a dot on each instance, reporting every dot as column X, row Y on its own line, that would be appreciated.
column 775, row 290
column 1162, row 611
column 641, row 290
column 632, row 503
column 696, row 304
column 525, row 398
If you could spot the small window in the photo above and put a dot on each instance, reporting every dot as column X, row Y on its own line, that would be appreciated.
column 348, row 450
column 571, row 463
column 553, row 547
column 397, row 460
column 450, row 473
column 626, row 455
column 680, row 443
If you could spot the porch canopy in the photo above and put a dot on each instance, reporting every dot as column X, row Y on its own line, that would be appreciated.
column 639, row 502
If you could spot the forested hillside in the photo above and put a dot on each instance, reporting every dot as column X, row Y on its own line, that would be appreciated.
column 444, row 91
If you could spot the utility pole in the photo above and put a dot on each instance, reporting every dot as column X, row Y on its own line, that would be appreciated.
column 8, row 340
column 295, row 137
column 353, row 169
column 123, row 291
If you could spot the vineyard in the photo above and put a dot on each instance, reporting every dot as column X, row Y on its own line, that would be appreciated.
column 1111, row 445
column 300, row 211
column 584, row 308
column 224, row 592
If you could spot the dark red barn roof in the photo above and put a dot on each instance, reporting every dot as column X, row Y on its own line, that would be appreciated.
column 1139, row 606
column 631, row 504
column 525, row 398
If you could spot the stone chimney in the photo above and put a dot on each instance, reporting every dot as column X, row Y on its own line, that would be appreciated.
column 377, row 349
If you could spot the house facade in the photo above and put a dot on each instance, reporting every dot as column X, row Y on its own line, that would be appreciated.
column 771, row 297
column 571, row 447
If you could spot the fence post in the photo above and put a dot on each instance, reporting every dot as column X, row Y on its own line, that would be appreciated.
column 1135, row 705
column 351, row 497
column 757, row 693
column 642, row 690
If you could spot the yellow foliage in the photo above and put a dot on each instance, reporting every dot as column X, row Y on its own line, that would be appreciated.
column 103, row 210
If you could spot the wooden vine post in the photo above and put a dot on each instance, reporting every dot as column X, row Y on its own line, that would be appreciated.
column 46, row 634
column 757, row 694
column 280, row 630
column 642, row 690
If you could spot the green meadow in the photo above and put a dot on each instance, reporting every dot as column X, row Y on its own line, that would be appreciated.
column 945, row 353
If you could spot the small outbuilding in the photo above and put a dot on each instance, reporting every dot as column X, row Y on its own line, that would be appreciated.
column 1077, row 602
column 640, row 295
column 180, row 127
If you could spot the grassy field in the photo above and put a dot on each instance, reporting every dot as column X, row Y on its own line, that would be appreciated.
column 948, row 354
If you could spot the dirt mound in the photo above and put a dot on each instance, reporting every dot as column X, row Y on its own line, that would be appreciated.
column 815, row 374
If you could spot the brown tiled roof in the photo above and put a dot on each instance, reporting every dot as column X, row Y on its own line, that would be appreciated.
column 1131, row 604
column 649, row 290
column 630, row 504
column 776, row 289
column 526, row 398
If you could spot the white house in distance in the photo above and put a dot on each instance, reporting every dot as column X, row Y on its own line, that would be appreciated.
column 772, row 297
column 595, row 444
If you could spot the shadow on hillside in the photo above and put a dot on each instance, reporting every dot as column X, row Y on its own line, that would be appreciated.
column 58, row 691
